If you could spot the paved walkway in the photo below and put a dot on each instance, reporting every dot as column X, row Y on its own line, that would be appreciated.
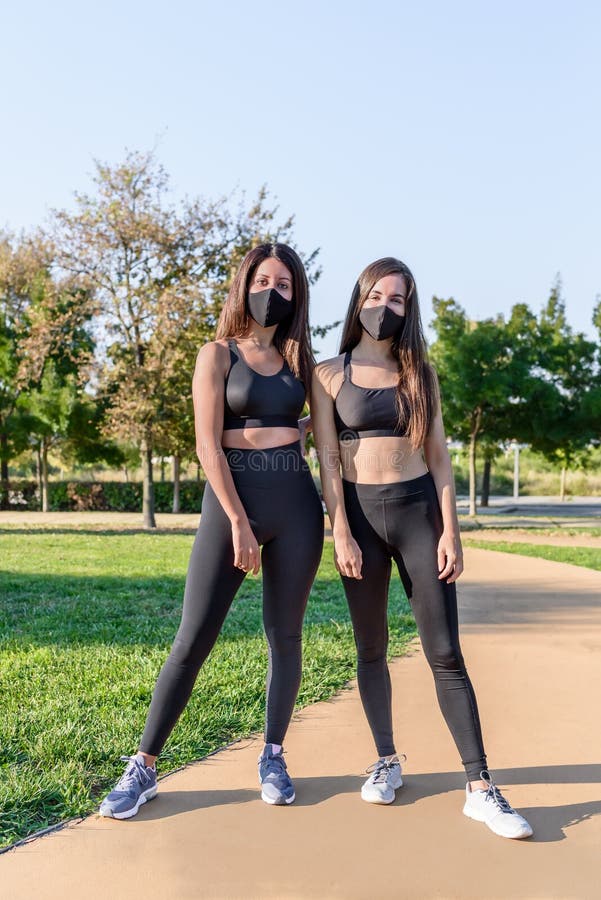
column 527, row 512
column 123, row 521
column 532, row 640
column 514, row 536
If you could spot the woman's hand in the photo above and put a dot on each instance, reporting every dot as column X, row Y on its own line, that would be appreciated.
column 247, row 556
column 348, row 558
column 450, row 558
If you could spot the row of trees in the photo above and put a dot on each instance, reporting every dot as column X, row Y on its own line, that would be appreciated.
column 102, row 314
column 529, row 379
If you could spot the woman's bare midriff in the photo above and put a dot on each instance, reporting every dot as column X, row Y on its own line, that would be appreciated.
column 380, row 460
column 259, row 438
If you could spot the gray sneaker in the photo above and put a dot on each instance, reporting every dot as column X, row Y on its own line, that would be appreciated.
column 137, row 785
column 276, row 786
column 384, row 780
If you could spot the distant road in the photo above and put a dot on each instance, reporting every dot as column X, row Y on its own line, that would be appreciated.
column 579, row 507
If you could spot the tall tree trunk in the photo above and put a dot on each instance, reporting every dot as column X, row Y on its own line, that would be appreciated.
column 562, row 484
column 472, row 464
column 148, row 488
column 472, row 459
column 176, row 471
column 198, row 472
column 38, row 471
column 4, row 485
column 485, row 492
column 163, row 468
column 45, row 501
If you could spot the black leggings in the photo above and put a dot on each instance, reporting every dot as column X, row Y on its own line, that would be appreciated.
column 402, row 521
column 286, row 516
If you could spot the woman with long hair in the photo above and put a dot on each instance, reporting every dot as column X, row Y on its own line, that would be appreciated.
column 249, row 387
column 388, row 486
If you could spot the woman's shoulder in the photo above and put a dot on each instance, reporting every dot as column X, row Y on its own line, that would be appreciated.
column 329, row 371
column 213, row 355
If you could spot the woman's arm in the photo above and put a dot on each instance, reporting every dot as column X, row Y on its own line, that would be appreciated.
column 305, row 425
column 347, row 555
column 208, row 395
column 450, row 555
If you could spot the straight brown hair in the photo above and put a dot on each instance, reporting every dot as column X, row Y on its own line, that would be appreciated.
column 417, row 396
column 292, row 338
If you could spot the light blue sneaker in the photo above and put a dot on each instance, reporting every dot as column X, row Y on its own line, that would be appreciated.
column 276, row 786
column 385, row 778
column 137, row 785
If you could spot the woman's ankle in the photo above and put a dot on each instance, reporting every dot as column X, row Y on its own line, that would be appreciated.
column 149, row 761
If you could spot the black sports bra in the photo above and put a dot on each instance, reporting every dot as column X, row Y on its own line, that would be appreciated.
column 253, row 400
column 365, row 412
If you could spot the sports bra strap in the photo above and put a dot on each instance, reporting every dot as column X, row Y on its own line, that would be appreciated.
column 234, row 355
column 347, row 365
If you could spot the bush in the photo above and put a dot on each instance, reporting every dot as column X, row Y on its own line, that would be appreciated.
column 58, row 499
column 21, row 495
column 190, row 496
column 113, row 496
column 123, row 496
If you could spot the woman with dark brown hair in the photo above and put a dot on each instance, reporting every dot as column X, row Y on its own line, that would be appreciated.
column 249, row 387
column 388, row 486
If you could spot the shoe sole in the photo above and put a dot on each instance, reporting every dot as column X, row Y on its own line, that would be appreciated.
column 144, row 797
column 279, row 802
column 516, row 837
column 380, row 801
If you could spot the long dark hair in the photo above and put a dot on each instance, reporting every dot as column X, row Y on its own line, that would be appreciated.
column 292, row 338
column 417, row 389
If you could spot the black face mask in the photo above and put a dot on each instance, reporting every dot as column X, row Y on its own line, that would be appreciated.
column 268, row 307
column 381, row 322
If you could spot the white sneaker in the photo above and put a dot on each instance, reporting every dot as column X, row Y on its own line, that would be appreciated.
column 384, row 780
column 492, row 808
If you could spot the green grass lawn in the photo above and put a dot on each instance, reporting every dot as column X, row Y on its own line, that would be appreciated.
column 551, row 530
column 86, row 621
column 589, row 557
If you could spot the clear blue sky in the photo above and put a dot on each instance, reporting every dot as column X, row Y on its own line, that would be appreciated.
column 462, row 137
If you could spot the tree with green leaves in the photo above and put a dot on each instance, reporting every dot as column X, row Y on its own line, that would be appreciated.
column 477, row 378
column 157, row 275
column 562, row 416
column 47, row 410
column 55, row 358
column 26, row 290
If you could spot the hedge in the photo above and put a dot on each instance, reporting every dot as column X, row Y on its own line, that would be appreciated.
column 114, row 496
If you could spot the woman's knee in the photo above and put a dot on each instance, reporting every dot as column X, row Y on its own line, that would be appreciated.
column 190, row 650
column 371, row 650
column 284, row 643
column 445, row 657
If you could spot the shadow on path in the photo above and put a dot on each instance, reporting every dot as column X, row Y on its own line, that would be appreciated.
column 549, row 822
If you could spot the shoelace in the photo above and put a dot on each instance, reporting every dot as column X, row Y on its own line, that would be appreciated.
column 495, row 796
column 381, row 768
column 274, row 764
column 134, row 773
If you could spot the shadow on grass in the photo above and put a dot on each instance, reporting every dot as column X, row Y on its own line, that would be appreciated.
column 99, row 530
column 116, row 609
column 45, row 610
